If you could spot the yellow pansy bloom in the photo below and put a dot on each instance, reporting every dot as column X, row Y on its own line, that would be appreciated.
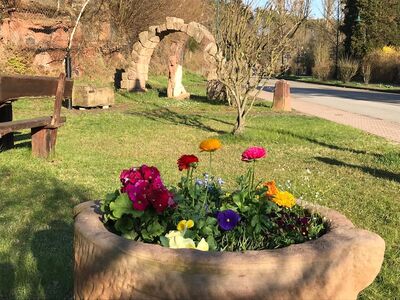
column 185, row 224
column 202, row 245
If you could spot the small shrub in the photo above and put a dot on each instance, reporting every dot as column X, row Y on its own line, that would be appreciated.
column 366, row 70
column 348, row 68
column 322, row 72
column 17, row 64
column 385, row 64
column 322, row 62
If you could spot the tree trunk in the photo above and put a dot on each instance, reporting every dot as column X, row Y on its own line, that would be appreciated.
column 239, row 126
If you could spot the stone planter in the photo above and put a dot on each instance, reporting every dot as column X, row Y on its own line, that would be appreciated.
column 336, row 266
column 88, row 96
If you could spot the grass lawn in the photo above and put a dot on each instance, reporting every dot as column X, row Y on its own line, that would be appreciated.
column 356, row 85
column 343, row 168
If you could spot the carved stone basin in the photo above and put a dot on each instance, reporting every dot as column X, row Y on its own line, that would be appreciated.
column 338, row 265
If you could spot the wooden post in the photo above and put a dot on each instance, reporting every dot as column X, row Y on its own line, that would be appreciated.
column 43, row 141
column 6, row 115
column 55, row 121
column 282, row 99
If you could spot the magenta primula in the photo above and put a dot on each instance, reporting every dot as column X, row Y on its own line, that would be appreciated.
column 145, row 188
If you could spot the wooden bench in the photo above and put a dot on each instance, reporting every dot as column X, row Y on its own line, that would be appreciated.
column 43, row 129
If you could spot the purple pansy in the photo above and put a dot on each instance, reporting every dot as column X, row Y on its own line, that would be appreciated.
column 227, row 219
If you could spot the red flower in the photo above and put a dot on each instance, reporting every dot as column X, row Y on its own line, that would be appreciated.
column 253, row 153
column 130, row 176
column 161, row 199
column 149, row 173
column 187, row 161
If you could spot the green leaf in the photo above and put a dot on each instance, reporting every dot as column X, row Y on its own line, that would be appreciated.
column 155, row 229
column 123, row 205
column 207, row 230
column 211, row 243
column 236, row 198
column 112, row 196
column 124, row 225
column 211, row 221
column 254, row 221
column 164, row 241
column 131, row 235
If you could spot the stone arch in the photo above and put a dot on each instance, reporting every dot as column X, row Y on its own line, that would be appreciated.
column 135, row 77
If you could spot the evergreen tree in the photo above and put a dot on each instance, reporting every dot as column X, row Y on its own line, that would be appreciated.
column 370, row 24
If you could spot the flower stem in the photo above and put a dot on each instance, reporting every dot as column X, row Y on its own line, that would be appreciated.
column 209, row 167
column 251, row 178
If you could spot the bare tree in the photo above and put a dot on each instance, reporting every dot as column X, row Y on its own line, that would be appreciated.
column 250, row 41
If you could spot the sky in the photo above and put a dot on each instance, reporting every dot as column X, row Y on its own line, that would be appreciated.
column 316, row 8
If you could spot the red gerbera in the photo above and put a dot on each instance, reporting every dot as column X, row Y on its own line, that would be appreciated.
column 187, row 161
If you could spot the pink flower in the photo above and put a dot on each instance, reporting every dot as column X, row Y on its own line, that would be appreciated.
column 146, row 189
column 253, row 153
column 139, row 193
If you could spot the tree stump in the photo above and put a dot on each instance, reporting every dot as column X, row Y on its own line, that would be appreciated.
column 282, row 99
column 175, row 73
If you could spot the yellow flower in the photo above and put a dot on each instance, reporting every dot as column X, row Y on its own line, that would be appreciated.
column 210, row 145
column 185, row 224
column 177, row 241
column 388, row 50
column 284, row 199
column 202, row 245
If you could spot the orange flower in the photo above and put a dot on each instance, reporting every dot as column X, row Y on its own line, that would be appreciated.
column 210, row 145
column 272, row 189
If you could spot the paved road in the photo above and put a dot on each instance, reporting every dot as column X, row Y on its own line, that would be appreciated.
column 384, row 106
column 374, row 112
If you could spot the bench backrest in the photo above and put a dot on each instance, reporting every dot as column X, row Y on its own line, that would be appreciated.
column 14, row 87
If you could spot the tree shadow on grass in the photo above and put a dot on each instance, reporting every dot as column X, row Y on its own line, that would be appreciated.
column 7, row 281
column 204, row 99
column 379, row 173
column 163, row 114
column 41, row 251
column 318, row 142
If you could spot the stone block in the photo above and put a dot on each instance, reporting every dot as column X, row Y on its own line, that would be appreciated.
column 282, row 98
column 195, row 31
column 137, row 47
column 161, row 28
column 155, row 39
column 153, row 29
column 174, row 23
column 135, row 56
column 149, row 44
column 88, row 96
column 146, row 54
column 184, row 27
column 143, row 37
column 211, row 48
column 142, row 68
